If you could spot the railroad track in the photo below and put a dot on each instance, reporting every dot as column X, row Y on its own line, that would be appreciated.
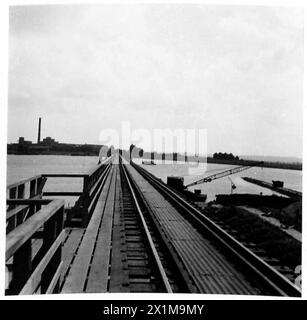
column 149, row 263
column 121, row 250
column 272, row 281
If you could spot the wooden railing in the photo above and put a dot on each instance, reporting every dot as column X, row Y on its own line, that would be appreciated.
column 76, row 216
column 33, row 249
column 91, row 187
column 17, row 213
column 34, row 187
column 35, row 228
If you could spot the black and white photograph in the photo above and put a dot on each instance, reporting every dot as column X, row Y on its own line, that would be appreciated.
column 154, row 148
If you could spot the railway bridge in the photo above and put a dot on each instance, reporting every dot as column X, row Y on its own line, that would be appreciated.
column 127, row 232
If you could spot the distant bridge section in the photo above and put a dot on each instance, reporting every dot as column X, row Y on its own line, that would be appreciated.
column 219, row 175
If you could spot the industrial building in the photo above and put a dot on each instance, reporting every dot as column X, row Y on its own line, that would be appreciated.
column 48, row 145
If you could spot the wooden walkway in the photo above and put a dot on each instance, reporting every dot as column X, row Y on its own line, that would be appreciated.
column 89, row 270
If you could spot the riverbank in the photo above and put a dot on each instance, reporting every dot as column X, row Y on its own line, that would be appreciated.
column 240, row 162
column 56, row 153
column 264, row 164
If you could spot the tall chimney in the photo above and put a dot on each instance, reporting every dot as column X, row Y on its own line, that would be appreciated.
column 39, row 130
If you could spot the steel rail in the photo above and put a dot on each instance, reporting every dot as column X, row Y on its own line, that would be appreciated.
column 149, row 238
column 185, row 280
column 270, row 277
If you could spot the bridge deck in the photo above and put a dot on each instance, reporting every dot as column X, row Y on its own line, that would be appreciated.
column 211, row 271
column 95, row 260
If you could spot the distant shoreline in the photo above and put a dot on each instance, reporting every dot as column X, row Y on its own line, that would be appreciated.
column 55, row 154
column 240, row 162
column 264, row 164
column 234, row 162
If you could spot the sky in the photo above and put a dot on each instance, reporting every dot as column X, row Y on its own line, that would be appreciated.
column 235, row 71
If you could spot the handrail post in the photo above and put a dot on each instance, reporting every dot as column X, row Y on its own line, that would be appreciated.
column 22, row 267
column 86, row 201
column 52, row 229
column 12, row 195
column 21, row 191
column 40, row 182
column 40, row 185
column 32, row 188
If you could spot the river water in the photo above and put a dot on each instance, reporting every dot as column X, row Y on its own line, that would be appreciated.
column 22, row 166
column 193, row 172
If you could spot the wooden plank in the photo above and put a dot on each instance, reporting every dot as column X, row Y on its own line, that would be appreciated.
column 17, row 237
column 70, row 247
column 98, row 276
column 33, row 201
column 61, row 194
column 56, row 279
column 35, row 278
column 15, row 211
column 76, row 277
column 64, row 175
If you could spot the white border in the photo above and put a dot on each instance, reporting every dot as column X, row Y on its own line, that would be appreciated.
column 4, row 8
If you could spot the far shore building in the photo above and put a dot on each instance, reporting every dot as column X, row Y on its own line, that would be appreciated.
column 50, row 146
